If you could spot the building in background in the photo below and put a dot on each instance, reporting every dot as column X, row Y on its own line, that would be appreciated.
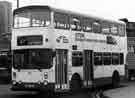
column 130, row 68
column 5, row 39
column 131, row 50
column 5, row 17
column 5, row 24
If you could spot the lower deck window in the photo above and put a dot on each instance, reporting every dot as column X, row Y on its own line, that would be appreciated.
column 115, row 58
column 77, row 59
column 97, row 58
column 107, row 58
column 121, row 58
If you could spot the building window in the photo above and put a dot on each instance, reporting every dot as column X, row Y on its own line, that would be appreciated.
column 131, row 49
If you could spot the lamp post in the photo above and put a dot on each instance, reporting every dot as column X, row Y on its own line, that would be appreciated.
column 17, row 3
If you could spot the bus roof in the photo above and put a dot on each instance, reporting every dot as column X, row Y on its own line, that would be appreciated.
column 32, row 7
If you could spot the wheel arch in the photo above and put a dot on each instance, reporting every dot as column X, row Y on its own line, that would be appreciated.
column 116, row 79
column 74, row 75
column 75, row 82
column 115, row 72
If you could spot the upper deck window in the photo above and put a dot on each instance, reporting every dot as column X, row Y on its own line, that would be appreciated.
column 87, row 25
column 32, row 18
column 96, row 27
column 121, row 30
column 114, row 29
column 76, row 23
column 61, row 21
column 105, row 27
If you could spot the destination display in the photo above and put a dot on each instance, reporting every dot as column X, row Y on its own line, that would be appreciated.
column 30, row 40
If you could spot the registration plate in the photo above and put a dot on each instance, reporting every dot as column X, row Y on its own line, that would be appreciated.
column 29, row 85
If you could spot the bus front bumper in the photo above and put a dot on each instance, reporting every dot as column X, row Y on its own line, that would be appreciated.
column 32, row 87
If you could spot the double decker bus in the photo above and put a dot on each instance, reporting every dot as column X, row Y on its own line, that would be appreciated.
column 60, row 50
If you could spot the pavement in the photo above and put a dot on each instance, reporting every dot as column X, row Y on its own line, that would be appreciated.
column 125, row 91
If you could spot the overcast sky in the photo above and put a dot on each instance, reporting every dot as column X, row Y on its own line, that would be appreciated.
column 109, row 9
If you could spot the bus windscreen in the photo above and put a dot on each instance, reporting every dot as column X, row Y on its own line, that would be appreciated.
column 36, row 18
column 33, row 59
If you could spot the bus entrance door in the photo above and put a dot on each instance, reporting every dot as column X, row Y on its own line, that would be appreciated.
column 88, row 68
column 61, row 70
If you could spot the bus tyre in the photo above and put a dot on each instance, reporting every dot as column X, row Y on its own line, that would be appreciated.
column 75, row 84
column 116, row 80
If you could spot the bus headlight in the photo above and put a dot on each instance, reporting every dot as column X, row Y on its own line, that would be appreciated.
column 20, row 82
column 85, row 83
column 45, row 82
column 45, row 75
column 14, row 82
column 39, row 82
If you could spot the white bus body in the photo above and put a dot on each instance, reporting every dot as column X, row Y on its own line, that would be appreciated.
column 60, row 56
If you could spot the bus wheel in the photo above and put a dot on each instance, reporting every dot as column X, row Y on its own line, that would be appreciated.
column 116, row 80
column 75, row 84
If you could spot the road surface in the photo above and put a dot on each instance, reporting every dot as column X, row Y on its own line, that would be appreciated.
column 125, row 91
